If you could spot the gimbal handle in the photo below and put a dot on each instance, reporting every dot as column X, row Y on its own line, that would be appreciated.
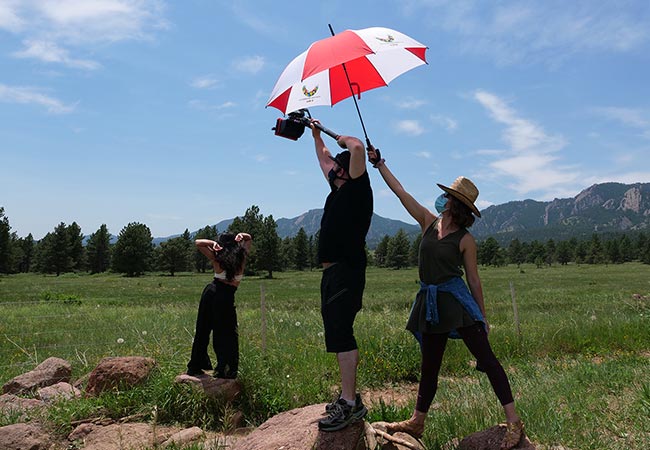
column 327, row 131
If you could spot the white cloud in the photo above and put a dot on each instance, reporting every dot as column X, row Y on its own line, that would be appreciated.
column 9, row 19
column 547, row 32
column 425, row 155
column 410, row 127
column 52, row 53
column 53, row 29
column 204, row 82
column 252, row 64
column 204, row 106
column 411, row 103
column 530, row 163
column 27, row 95
column 633, row 118
column 447, row 123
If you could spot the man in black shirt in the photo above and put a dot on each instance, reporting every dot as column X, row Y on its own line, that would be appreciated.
column 342, row 254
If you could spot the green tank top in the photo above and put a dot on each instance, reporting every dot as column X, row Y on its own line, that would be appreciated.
column 439, row 260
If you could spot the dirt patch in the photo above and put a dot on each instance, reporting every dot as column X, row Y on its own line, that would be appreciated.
column 396, row 395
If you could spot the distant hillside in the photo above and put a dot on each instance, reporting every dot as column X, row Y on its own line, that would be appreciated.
column 310, row 222
column 379, row 226
column 601, row 208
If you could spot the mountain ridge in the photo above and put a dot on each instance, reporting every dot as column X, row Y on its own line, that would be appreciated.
column 600, row 208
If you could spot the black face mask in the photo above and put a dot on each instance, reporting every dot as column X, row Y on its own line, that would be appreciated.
column 332, row 175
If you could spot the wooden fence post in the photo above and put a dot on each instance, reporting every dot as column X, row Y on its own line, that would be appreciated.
column 514, row 308
column 263, row 311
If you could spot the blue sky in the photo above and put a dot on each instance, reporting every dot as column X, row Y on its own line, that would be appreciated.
column 152, row 111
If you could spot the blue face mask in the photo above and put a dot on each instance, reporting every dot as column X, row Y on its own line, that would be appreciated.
column 441, row 203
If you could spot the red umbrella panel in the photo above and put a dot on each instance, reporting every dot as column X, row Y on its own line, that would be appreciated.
column 372, row 57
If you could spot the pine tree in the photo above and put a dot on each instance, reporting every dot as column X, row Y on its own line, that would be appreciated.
column 381, row 251
column 301, row 250
column 98, row 250
column 133, row 250
column 201, row 263
column 173, row 255
column 5, row 242
column 397, row 255
column 76, row 248
column 268, row 246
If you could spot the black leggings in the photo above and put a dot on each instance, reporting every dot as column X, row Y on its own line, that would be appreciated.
column 217, row 315
column 476, row 340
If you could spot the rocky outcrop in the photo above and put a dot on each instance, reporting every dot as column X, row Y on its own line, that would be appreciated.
column 28, row 436
column 298, row 430
column 49, row 372
column 225, row 389
column 490, row 439
column 117, row 372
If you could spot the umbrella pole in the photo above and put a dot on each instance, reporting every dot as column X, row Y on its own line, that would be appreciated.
column 356, row 105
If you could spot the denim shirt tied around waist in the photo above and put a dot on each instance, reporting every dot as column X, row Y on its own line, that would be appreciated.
column 456, row 287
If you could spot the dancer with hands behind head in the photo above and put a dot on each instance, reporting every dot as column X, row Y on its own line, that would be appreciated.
column 444, row 306
column 217, row 313
column 342, row 254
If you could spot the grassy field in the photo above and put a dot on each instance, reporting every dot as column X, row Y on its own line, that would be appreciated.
column 579, row 366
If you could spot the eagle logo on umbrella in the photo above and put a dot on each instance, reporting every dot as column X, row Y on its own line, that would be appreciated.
column 309, row 93
column 387, row 39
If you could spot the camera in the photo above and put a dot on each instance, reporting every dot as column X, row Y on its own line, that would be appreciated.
column 293, row 126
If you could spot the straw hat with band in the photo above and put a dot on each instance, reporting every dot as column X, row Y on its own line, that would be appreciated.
column 465, row 191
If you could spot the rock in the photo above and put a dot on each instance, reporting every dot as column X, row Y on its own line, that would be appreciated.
column 298, row 430
column 47, row 373
column 11, row 404
column 27, row 436
column 226, row 389
column 185, row 437
column 120, row 436
column 57, row 392
column 119, row 373
column 490, row 439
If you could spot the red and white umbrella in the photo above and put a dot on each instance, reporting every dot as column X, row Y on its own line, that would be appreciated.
column 372, row 57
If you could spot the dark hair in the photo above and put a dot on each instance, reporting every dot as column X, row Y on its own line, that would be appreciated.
column 461, row 214
column 232, row 256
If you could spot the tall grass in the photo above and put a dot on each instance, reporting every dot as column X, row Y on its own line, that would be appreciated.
column 578, row 369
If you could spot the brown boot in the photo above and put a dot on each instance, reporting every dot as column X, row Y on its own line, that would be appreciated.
column 406, row 426
column 514, row 434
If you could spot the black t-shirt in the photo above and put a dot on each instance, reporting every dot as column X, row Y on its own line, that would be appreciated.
column 345, row 222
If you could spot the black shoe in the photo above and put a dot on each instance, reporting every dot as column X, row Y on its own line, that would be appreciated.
column 195, row 372
column 339, row 417
column 225, row 375
column 359, row 410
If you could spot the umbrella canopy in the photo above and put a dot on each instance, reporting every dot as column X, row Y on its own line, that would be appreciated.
column 372, row 57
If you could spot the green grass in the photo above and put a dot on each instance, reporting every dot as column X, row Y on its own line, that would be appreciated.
column 578, row 369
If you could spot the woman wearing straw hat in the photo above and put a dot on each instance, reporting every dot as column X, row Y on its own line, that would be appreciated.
column 444, row 306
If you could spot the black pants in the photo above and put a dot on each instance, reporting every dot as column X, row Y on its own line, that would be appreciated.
column 476, row 340
column 217, row 315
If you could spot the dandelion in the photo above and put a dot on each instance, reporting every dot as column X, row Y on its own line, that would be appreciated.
column 144, row 333
column 288, row 376
column 120, row 341
column 297, row 324
column 320, row 334
column 593, row 317
column 281, row 320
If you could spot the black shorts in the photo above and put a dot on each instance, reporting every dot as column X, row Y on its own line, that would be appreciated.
column 341, row 292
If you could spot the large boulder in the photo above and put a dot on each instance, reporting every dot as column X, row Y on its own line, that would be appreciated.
column 13, row 405
column 27, row 436
column 47, row 373
column 298, row 430
column 59, row 391
column 490, row 439
column 120, row 372
column 223, row 388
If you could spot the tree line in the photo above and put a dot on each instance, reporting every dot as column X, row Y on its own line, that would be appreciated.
column 62, row 250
